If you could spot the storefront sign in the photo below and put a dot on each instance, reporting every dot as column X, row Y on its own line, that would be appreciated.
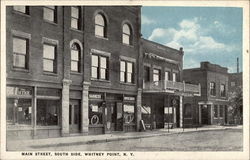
column 94, row 108
column 95, row 96
column 11, row 91
column 129, row 98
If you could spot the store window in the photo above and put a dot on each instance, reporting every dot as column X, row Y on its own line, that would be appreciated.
column 22, row 9
column 129, row 113
column 75, row 17
column 126, row 71
column 95, row 113
column 18, row 111
column 20, row 53
column 49, row 58
column 221, row 110
column 49, row 13
column 212, row 89
column 75, row 58
column 100, row 26
column 215, row 111
column 47, row 112
column 222, row 90
column 99, row 67
column 126, row 34
column 146, row 114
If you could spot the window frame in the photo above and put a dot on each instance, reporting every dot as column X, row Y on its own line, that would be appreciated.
column 126, row 71
column 79, row 62
column 26, row 63
column 129, row 35
column 212, row 88
column 104, row 26
column 54, row 11
column 223, row 92
column 99, row 67
column 77, row 19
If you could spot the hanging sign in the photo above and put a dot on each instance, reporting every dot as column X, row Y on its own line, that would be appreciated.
column 94, row 108
column 95, row 96
column 18, row 91
column 129, row 98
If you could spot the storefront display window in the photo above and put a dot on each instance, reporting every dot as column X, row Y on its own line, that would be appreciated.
column 129, row 113
column 95, row 114
column 47, row 112
column 168, row 113
column 19, row 111
column 146, row 114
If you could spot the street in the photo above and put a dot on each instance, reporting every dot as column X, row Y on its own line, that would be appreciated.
column 216, row 140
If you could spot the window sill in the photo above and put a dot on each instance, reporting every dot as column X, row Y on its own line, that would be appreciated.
column 20, row 70
column 50, row 22
column 130, row 84
column 21, row 13
column 76, row 30
column 75, row 73
column 50, row 74
column 104, row 38
column 100, row 80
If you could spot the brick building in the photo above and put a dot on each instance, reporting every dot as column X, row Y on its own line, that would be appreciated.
column 80, row 70
column 211, row 106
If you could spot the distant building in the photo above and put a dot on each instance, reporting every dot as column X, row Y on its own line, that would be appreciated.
column 211, row 107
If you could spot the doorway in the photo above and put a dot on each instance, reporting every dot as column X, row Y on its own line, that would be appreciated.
column 204, row 114
column 116, row 116
column 74, row 116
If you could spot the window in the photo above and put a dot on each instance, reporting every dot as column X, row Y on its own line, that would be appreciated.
column 232, row 84
column 222, row 90
column 212, row 89
column 20, row 53
column 215, row 111
column 49, row 58
column 75, row 17
column 95, row 113
column 18, row 111
column 167, row 76
column 146, row 114
column 22, row 9
column 174, row 77
column 146, row 74
column 156, row 76
column 221, row 110
column 49, row 13
column 126, row 34
column 129, row 113
column 126, row 72
column 47, row 112
column 75, row 58
column 99, row 68
column 100, row 26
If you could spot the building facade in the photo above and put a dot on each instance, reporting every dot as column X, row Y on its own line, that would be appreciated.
column 85, row 70
column 211, row 107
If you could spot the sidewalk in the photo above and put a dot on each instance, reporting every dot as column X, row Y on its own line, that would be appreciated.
column 35, row 144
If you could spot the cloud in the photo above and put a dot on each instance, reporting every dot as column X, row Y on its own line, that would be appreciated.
column 146, row 20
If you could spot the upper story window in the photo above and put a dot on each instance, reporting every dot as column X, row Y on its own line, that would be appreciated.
column 126, row 71
column 49, row 58
column 167, row 78
column 212, row 89
column 99, row 67
column 156, row 76
column 146, row 74
column 20, row 53
column 223, row 90
column 100, row 26
column 126, row 34
column 49, row 13
column 75, row 17
column 174, row 77
column 75, row 58
column 22, row 9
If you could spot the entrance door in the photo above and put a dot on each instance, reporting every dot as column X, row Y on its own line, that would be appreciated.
column 204, row 114
column 74, row 116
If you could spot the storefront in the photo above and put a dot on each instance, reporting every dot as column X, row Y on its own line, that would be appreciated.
column 111, row 112
column 32, row 112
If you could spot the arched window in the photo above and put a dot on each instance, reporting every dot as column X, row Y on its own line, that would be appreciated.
column 126, row 34
column 75, row 57
column 100, row 25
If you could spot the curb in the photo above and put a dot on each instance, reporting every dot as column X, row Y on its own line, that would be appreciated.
column 124, row 138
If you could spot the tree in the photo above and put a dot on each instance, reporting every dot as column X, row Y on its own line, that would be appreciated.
column 236, row 105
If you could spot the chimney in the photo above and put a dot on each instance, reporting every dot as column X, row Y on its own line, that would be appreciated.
column 237, row 64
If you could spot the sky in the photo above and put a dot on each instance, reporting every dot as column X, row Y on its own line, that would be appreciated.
column 211, row 34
